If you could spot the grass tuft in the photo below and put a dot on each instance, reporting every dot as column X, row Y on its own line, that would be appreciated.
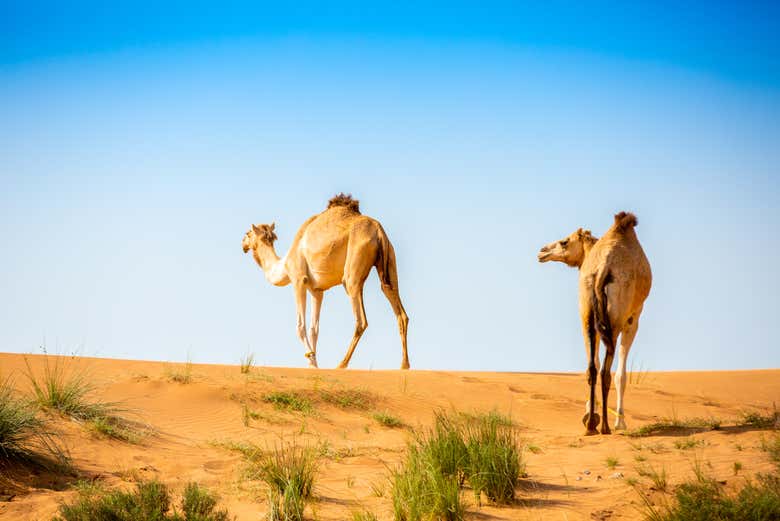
column 289, row 401
column 704, row 499
column 675, row 426
column 612, row 462
column 757, row 420
column 150, row 501
column 246, row 362
column 388, row 420
column 357, row 399
column 289, row 471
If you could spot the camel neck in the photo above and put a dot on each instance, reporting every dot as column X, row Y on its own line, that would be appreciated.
column 272, row 266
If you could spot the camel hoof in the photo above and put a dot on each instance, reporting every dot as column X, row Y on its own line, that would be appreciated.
column 342, row 365
column 593, row 423
column 591, row 432
column 620, row 424
column 405, row 365
column 605, row 429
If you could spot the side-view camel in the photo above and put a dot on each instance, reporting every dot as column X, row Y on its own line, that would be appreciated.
column 614, row 282
column 337, row 246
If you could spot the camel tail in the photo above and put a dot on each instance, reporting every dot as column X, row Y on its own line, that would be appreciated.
column 385, row 262
column 600, row 314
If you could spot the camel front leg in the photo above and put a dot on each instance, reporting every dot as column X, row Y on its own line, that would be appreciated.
column 597, row 360
column 626, row 339
column 355, row 292
column 300, row 304
column 314, row 327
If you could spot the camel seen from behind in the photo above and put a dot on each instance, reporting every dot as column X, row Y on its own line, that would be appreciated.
column 336, row 246
column 614, row 281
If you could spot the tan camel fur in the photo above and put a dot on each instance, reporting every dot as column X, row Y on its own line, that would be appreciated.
column 337, row 246
column 614, row 281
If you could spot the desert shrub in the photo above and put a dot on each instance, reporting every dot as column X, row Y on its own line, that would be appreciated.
column 289, row 471
column 704, row 499
column 481, row 449
column 388, row 420
column 246, row 362
column 150, row 501
column 494, row 460
column 23, row 435
column 289, row 401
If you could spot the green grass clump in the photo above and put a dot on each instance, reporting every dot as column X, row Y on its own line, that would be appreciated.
column 481, row 449
column 70, row 392
column 388, row 420
column 421, row 491
column 289, row 401
column 494, row 463
column 150, row 501
column 19, row 424
column 365, row 515
column 704, row 499
column 757, row 420
column 772, row 447
column 675, row 426
column 246, row 362
column 358, row 399
column 67, row 391
column 611, row 462
column 657, row 477
column 688, row 443
column 289, row 471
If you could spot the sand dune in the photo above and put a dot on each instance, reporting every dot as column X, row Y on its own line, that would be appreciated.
column 194, row 421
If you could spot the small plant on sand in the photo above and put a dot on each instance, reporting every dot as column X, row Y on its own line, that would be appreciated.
column 688, row 443
column 180, row 373
column 494, row 461
column 289, row 401
column 150, row 501
column 657, row 477
column 364, row 515
column 757, row 420
column 737, row 467
column 479, row 449
column 388, row 420
column 289, row 471
column 612, row 462
column 23, row 435
column 246, row 362
column 704, row 499
column 358, row 399
column 67, row 391
column 70, row 392
column 675, row 425
column 772, row 447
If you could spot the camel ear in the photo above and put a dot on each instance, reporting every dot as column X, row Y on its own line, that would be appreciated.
column 579, row 232
column 256, row 229
column 587, row 233
column 273, row 225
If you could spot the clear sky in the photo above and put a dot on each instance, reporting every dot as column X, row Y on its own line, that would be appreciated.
column 139, row 141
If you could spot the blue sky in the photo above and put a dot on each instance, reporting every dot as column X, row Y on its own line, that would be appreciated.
column 137, row 145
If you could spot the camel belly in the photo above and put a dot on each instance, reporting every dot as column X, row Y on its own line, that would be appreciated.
column 325, row 262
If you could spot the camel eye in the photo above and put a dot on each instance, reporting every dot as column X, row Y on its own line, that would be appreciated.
column 564, row 242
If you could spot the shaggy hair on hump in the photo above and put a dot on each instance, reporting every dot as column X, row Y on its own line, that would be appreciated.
column 625, row 221
column 346, row 201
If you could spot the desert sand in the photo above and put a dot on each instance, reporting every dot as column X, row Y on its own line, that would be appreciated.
column 567, row 473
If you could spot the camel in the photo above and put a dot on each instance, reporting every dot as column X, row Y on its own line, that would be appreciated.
column 337, row 246
column 614, row 281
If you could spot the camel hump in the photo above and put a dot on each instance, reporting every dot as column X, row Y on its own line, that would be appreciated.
column 346, row 201
column 624, row 221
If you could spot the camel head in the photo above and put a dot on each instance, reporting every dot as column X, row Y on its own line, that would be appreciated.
column 258, row 234
column 570, row 250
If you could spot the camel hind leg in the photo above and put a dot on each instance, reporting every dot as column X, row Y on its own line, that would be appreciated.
column 356, row 269
column 626, row 339
column 388, row 277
